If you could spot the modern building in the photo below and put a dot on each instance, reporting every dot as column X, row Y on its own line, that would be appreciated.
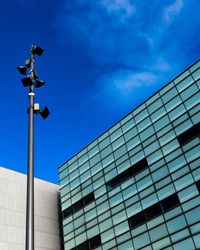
column 137, row 186
column 13, row 212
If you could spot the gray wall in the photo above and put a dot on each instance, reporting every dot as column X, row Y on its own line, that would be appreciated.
column 13, row 217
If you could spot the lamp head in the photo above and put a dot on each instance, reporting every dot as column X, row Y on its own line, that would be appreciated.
column 27, row 81
column 22, row 70
column 36, row 50
column 39, row 83
column 44, row 112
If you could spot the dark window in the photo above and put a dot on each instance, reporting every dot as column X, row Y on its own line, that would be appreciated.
column 198, row 185
column 125, row 175
column 153, row 211
column 83, row 246
column 139, row 166
column 95, row 242
column 170, row 202
column 137, row 219
column 89, row 244
column 130, row 172
column 189, row 134
column 78, row 205
column 113, row 183
column 67, row 212
column 89, row 198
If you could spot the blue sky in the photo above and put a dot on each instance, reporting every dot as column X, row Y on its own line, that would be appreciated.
column 101, row 59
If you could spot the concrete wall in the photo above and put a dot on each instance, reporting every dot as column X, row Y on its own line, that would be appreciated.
column 13, row 216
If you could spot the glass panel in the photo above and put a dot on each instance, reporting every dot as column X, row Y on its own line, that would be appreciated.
column 82, row 159
column 104, row 143
column 185, row 83
column 192, row 101
column 120, row 151
column 130, row 134
column 173, row 103
column 166, row 191
column 197, row 240
column 183, row 182
column 93, row 151
column 167, row 137
column 180, row 235
column 133, row 142
column 116, row 134
column 106, row 151
column 189, row 91
column 176, row 112
column 161, row 123
column 193, row 216
column 167, row 97
column 148, row 201
column 167, row 88
column 105, row 225
column 159, row 113
column 121, row 228
column 186, row 244
column 118, row 143
column 116, row 200
column 141, row 241
column 195, row 66
column 147, row 133
column 155, row 105
column 141, row 116
column 170, row 147
column 119, row 217
column 161, row 243
column 142, row 125
column 108, row 235
column 128, row 125
column 158, row 232
column 176, row 224
column 127, row 245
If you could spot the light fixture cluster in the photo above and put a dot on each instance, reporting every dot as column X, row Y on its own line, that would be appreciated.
column 31, row 80
column 32, row 77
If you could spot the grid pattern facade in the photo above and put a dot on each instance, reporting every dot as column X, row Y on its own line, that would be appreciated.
column 142, row 177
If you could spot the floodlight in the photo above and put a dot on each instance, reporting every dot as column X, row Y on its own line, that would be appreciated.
column 28, row 63
column 35, row 49
column 27, row 81
column 22, row 70
column 39, row 83
column 44, row 112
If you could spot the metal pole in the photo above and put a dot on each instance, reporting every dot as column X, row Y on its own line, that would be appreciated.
column 30, row 174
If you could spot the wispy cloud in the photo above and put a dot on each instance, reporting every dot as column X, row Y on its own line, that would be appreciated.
column 123, row 8
column 125, row 81
column 121, row 87
column 172, row 10
column 142, row 38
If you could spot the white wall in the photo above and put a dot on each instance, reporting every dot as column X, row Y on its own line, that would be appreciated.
column 13, row 217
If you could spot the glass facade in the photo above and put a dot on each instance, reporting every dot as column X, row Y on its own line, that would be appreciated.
column 137, row 186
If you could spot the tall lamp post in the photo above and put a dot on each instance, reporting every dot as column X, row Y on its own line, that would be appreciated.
column 31, row 80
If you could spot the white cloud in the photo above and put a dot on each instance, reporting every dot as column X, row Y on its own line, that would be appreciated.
column 172, row 10
column 125, row 8
column 124, row 82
